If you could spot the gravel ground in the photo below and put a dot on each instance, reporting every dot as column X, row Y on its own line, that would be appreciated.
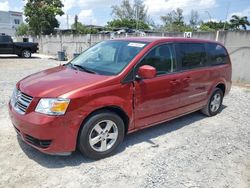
column 192, row 151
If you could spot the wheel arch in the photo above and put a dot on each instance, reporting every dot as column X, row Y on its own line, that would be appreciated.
column 115, row 109
column 221, row 86
column 220, row 83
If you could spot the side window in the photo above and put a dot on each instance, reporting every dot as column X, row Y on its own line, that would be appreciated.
column 161, row 58
column 5, row 39
column 217, row 54
column 192, row 55
column 17, row 21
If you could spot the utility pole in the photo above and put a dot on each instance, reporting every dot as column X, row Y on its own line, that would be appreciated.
column 67, row 21
column 136, row 17
column 228, row 6
column 76, row 22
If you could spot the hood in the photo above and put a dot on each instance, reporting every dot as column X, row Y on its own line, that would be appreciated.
column 58, row 81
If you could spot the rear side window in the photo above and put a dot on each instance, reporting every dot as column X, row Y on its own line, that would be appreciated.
column 161, row 58
column 217, row 54
column 5, row 39
column 192, row 55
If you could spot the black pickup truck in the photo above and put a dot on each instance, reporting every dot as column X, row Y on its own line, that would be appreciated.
column 22, row 49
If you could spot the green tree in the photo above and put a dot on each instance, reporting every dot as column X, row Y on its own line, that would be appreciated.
column 41, row 15
column 194, row 20
column 23, row 29
column 174, row 21
column 237, row 22
column 204, row 27
column 214, row 26
column 127, row 23
column 126, row 10
column 82, row 29
column 135, row 11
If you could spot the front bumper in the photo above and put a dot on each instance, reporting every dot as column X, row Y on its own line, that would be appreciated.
column 48, row 134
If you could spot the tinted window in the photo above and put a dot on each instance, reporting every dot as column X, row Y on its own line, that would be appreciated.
column 192, row 55
column 17, row 21
column 217, row 54
column 5, row 39
column 162, row 58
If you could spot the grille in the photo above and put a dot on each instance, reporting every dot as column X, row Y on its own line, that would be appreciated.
column 36, row 142
column 21, row 101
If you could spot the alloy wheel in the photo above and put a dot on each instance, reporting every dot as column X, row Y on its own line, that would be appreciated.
column 26, row 53
column 103, row 135
column 215, row 102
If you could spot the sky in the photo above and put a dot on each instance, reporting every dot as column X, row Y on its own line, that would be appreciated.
column 98, row 12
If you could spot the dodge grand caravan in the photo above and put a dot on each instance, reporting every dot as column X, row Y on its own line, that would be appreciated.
column 118, row 87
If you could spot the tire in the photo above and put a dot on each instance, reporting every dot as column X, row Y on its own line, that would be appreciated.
column 103, row 127
column 26, row 53
column 214, row 104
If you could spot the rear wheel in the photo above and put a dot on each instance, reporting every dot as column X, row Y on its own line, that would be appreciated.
column 26, row 53
column 101, row 135
column 214, row 104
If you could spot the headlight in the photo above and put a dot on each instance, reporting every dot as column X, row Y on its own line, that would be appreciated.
column 14, row 97
column 53, row 106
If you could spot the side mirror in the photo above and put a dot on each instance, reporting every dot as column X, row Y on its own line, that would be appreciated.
column 146, row 72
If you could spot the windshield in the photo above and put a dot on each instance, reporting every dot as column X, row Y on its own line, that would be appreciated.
column 108, row 57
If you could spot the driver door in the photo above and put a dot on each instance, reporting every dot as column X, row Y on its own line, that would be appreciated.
column 157, row 99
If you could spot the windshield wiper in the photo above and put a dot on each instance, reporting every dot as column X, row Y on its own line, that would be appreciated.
column 83, row 68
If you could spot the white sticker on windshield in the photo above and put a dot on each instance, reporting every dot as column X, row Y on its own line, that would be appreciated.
column 134, row 44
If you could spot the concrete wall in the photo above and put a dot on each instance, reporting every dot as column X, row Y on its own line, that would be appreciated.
column 237, row 43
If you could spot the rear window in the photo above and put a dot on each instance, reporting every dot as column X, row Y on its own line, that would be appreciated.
column 192, row 55
column 5, row 39
column 217, row 54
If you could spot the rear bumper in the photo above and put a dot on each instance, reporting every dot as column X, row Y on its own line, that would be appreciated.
column 228, row 87
column 35, row 50
column 48, row 134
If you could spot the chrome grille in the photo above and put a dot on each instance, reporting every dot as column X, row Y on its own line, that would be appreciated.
column 20, row 101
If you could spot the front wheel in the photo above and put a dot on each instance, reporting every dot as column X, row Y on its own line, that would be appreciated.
column 214, row 104
column 101, row 135
column 26, row 53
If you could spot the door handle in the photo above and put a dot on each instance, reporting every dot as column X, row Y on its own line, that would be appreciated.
column 187, row 79
column 174, row 82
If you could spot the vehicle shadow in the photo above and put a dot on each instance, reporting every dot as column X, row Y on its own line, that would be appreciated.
column 145, row 135
column 16, row 57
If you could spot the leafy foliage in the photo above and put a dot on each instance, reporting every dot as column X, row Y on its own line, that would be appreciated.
column 128, row 11
column 127, row 23
column 41, row 15
column 129, row 15
column 23, row 29
column 174, row 21
column 194, row 19
column 214, row 26
column 237, row 22
column 82, row 29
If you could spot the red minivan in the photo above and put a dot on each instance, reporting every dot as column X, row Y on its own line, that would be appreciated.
column 117, row 87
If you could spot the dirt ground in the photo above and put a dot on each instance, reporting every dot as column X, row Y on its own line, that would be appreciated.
column 192, row 151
